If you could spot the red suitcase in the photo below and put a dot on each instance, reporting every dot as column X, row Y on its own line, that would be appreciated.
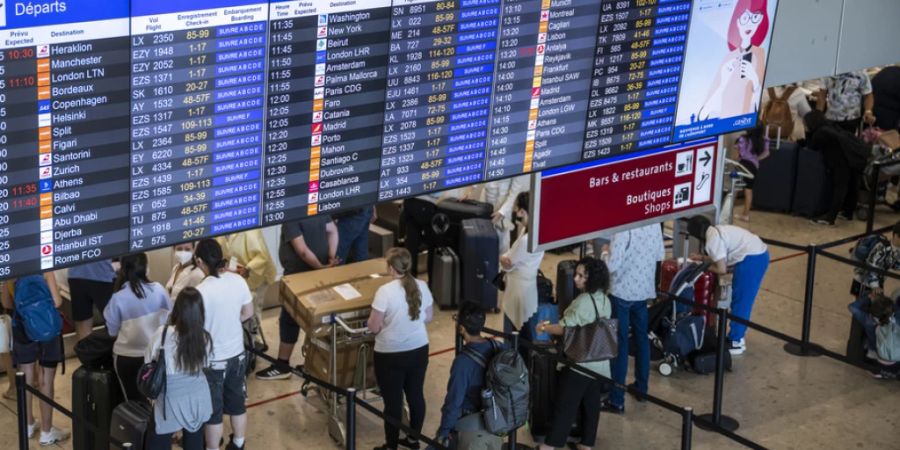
column 667, row 273
column 704, row 288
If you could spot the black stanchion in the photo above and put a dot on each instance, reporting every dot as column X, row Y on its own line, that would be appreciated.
column 873, row 197
column 22, row 410
column 717, row 418
column 804, row 349
column 687, row 427
column 350, row 443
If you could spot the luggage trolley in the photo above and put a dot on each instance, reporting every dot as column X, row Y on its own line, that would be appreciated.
column 329, row 339
column 737, row 174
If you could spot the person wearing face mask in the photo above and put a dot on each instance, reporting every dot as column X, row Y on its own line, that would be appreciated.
column 184, row 273
column 520, row 299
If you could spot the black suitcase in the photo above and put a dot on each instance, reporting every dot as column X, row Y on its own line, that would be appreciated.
column 95, row 393
column 479, row 260
column 703, row 361
column 444, row 277
column 773, row 187
column 565, row 284
column 543, row 375
column 856, row 343
column 449, row 215
column 812, row 195
column 130, row 422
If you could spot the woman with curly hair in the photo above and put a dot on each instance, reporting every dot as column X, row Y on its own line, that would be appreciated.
column 576, row 390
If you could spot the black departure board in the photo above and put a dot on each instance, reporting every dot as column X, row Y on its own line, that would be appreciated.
column 64, row 124
column 128, row 125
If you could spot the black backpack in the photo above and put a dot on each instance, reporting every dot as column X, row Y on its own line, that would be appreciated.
column 506, row 389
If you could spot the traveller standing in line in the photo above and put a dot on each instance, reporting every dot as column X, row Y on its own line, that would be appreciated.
column 574, row 389
column 254, row 264
column 227, row 301
column 353, row 234
column 400, row 311
column 42, row 292
column 632, row 258
column 185, row 404
column 137, row 309
column 90, row 285
column 307, row 244
column 520, row 299
column 184, row 273
column 732, row 248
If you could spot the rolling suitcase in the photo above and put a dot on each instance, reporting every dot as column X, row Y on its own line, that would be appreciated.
column 444, row 278
column 667, row 272
column 95, row 393
column 856, row 342
column 479, row 260
column 449, row 215
column 812, row 194
column 773, row 187
column 565, row 284
column 542, row 373
column 705, row 294
column 130, row 422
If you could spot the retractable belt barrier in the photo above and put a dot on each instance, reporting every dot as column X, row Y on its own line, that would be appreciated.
column 22, row 387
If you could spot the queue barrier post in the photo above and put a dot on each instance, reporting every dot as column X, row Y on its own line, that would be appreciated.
column 716, row 417
column 873, row 197
column 804, row 349
column 22, row 410
column 687, row 427
column 350, row 425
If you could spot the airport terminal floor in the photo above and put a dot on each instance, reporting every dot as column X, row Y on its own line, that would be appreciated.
column 781, row 401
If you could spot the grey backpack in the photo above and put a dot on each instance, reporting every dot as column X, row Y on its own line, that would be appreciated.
column 506, row 389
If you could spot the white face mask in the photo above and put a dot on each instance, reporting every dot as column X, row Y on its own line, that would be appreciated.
column 183, row 256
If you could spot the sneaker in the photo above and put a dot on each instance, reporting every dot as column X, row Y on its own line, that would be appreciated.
column 408, row 442
column 822, row 221
column 884, row 375
column 273, row 373
column 609, row 407
column 232, row 446
column 32, row 429
column 53, row 436
column 872, row 354
column 737, row 347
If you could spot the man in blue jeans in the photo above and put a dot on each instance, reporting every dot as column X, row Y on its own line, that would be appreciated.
column 353, row 232
column 632, row 256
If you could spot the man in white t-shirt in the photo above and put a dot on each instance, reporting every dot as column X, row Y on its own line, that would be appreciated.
column 732, row 248
column 227, row 302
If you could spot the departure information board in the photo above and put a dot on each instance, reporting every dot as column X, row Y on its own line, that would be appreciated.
column 131, row 125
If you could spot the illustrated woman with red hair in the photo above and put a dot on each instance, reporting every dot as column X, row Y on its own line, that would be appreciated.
column 738, row 84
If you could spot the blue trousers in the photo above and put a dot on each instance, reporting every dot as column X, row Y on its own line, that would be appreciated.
column 631, row 315
column 748, row 276
column 353, row 236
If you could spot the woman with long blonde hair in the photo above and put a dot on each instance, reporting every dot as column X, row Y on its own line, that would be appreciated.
column 400, row 311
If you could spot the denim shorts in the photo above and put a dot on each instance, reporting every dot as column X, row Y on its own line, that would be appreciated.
column 227, row 387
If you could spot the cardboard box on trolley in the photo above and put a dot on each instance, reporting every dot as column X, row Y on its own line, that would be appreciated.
column 311, row 298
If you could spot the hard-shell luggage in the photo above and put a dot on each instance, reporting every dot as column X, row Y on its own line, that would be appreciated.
column 856, row 342
column 130, row 422
column 773, row 186
column 812, row 196
column 705, row 294
column 543, row 388
column 565, row 284
column 95, row 393
column 703, row 361
column 479, row 260
column 667, row 272
column 449, row 215
column 444, row 278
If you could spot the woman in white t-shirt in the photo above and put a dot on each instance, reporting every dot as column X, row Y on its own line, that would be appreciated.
column 731, row 248
column 400, row 311
column 227, row 302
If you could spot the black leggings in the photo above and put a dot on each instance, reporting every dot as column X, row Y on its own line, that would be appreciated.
column 573, row 391
column 127, row 369
column 398, row 374
column 189, row 441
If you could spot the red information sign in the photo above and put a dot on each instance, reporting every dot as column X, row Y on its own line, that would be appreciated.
column 586, row 200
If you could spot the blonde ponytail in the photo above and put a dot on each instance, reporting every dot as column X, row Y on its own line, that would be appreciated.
column 401, row 261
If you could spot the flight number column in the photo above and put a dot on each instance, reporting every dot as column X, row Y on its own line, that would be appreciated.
column 637, row 71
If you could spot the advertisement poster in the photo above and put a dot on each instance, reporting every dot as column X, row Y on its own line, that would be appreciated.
column 724, row 67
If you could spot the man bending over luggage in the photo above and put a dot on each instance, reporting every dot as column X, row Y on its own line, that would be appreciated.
column 461, row 421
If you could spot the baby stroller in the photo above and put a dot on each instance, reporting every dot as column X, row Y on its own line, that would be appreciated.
column 674, row 330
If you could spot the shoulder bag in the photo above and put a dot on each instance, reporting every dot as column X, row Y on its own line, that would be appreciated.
column 596, row 341
column 151, row 379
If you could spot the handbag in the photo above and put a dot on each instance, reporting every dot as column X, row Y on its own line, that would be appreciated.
column 499, row 281
column 151, row 378
column 596, row 341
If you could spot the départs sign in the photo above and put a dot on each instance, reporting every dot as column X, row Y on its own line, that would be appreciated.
column 579, row 202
